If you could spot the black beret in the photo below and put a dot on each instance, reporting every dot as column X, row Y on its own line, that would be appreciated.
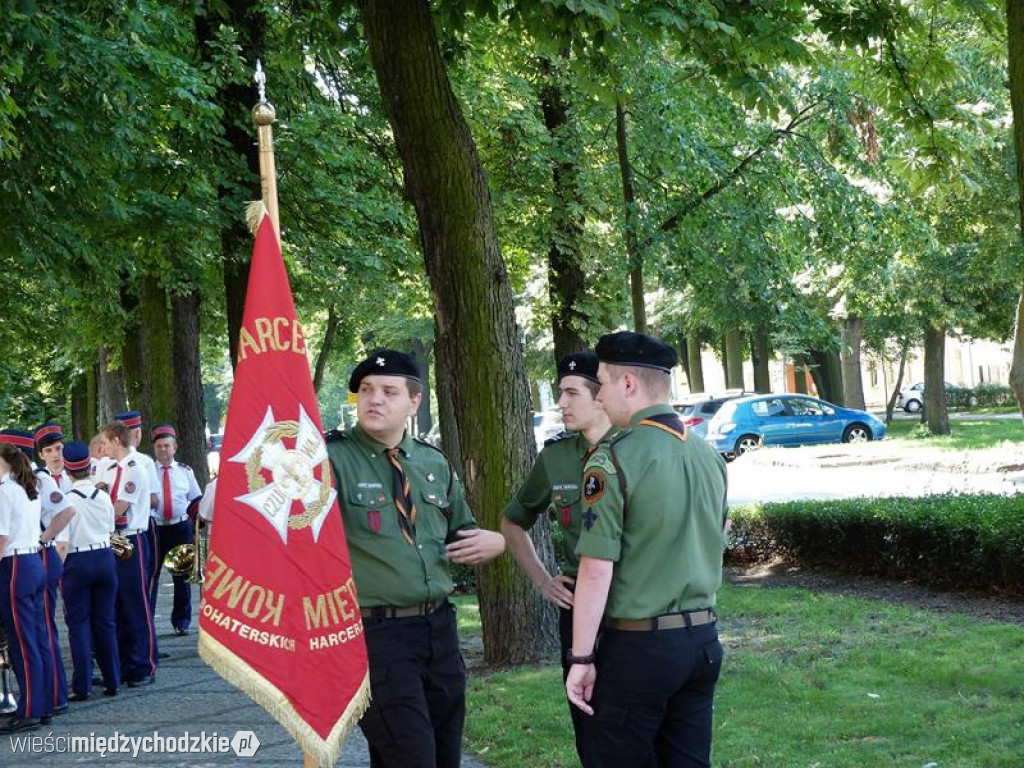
column 384, row 362
column 628, row 348
column 579, row 364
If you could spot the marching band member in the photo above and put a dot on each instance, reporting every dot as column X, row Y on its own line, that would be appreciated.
column 136, row 633
column 175, row 491
column 22, row 582
column 89, row 586
column 53, row 487
column 133, row 420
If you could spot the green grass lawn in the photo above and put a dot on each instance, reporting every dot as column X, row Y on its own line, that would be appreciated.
column 809, row 680
column 973, row 434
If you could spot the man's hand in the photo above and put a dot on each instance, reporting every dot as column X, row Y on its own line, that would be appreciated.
column 475, row 547
column 579, row 686
column 556, row 589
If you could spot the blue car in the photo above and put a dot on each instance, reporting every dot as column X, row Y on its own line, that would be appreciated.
column 749, row 422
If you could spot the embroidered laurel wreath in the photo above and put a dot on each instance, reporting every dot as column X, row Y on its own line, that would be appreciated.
column 254, row 466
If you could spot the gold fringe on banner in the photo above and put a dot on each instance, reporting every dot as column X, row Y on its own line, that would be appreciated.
column 235, row 671
column 255, row 210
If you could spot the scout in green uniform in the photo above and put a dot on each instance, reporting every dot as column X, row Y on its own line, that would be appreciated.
column 554, row 487
column 650, row 566
column 406, row 519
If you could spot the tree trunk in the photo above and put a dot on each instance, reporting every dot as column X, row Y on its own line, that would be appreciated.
column 800, row 374
column 734, row 358
column 133, row 358
column 1015, row 37
column 684, row 357
column 760, row 355
column 81, row 427
column 188, row 381
column 477, row 343
column 898, row 385
column 236, row 101
column 111, row 389
column 158, row 372
column 696, row 365
column 325, row 349
column 633, row 256
column 852, row 333
column 827, row 374
column 421, row 351
column 566, row 280
column 935, row 379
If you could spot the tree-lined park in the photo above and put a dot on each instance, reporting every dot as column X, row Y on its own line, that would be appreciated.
column 494, row 185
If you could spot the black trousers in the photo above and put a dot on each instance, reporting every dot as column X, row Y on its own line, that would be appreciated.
column 579, row 718
column 418, row 685
column 653, row 699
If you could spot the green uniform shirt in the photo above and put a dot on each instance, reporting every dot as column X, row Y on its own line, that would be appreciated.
column 654, row 504
column 388, row 570
column 553, row 486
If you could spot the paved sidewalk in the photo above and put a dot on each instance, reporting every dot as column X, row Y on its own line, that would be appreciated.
column 187, row 697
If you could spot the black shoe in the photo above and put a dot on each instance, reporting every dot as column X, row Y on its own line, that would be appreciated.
column 61, row 709
column 46, row 719
column 142, row 682
column 110, row 691
column 78, row 697
column 182, row 631
column 97, row 681
column 17, row 724
column 163, row 655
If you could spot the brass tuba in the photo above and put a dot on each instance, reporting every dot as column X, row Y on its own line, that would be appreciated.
column 188, row 561
column 122, row 546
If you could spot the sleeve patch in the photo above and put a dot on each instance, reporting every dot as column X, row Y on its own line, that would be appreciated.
column 56, row 497
column 129, row 487
column 594, row 485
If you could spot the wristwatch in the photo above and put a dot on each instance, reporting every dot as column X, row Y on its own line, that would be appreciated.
column 590, row 658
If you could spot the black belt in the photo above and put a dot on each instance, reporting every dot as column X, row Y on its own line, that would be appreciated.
column 381, row 612
column 668, row 621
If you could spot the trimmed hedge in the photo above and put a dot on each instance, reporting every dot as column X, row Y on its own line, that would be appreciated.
column 973, row 542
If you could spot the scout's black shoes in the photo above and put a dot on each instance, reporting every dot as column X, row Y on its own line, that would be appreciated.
column 18, row 724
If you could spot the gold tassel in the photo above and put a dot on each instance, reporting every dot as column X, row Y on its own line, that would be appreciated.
column 255, row 210
column 272, row 699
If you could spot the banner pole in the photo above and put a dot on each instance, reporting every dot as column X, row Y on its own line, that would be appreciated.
column 263, row 115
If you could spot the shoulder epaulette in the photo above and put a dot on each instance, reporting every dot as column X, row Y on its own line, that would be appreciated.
column 333, row 435
column 79, row 493
column 186, row 467
column 131, row 463
column 41, row 470
column 563, row 435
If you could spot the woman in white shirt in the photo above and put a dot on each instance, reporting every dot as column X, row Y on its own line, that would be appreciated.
column 22, row 580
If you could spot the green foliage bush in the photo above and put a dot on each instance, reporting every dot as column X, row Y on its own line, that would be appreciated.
column 994, row 394
column 943, row 541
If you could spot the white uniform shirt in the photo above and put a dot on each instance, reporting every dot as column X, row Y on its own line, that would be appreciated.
column 145, row 461
column 132, row 488
column 205, row 510
column 99, row 467
column 94, row 515
column 19, row 517
column 184, row 489
column 52, row 500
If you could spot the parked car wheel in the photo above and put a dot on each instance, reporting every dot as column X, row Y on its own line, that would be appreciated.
column 912, row 406
column 747, row 443
column 856, row 433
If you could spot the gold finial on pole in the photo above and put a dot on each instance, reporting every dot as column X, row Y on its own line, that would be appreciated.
column 263, row 115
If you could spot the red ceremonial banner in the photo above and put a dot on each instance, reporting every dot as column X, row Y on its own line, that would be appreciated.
column 279, row 617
